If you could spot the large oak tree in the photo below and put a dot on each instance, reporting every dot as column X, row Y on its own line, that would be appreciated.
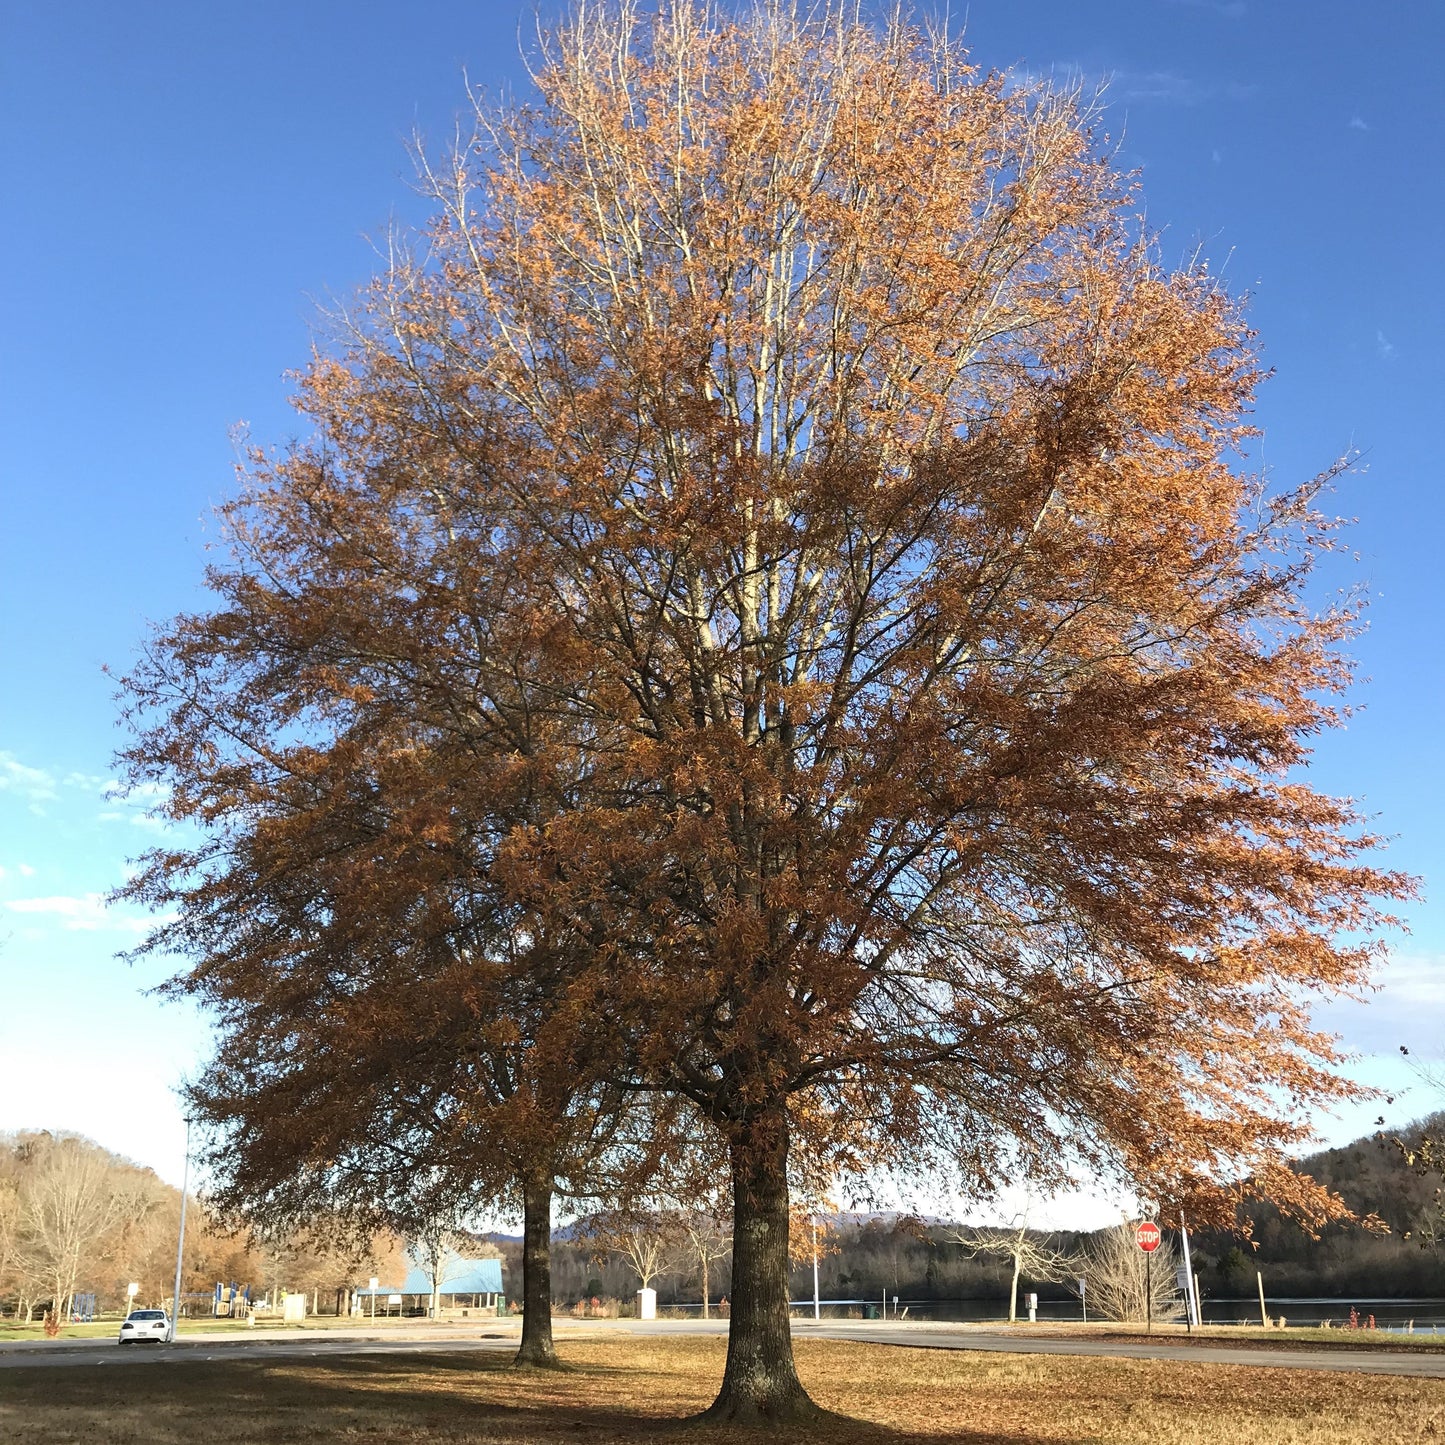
column 790, row 434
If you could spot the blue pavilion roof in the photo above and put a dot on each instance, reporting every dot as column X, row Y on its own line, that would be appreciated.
column 459, row 1276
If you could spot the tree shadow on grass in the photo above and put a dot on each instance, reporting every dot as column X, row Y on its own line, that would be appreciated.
column 460, row 1397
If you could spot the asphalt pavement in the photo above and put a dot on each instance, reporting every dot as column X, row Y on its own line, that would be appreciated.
column 201, row 1348
column 1373, row 1362
column 424, row 1339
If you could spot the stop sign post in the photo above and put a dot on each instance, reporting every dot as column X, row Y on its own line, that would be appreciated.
column 1147, row 1236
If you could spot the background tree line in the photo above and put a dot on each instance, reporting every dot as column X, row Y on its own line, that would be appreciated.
column 75, row 1217
column 1394, row 1252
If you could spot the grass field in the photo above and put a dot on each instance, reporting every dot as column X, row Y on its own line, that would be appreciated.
column 639, row 1389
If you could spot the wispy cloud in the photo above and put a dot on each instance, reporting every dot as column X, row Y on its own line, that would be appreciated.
column 1384, row 347
column 1148, row 87
column 1232, row 9
column 136, row 820
column 34, row 785
column 1358, row 123
column 148, row 800
column 1169, row 87
column 89, row 782
column 85, row 912
column 1162, row 85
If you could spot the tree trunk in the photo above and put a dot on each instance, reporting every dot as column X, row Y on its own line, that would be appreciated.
column 704, row 1284
column 1013, row 1294
column 536, row 1347
column 760, row 1385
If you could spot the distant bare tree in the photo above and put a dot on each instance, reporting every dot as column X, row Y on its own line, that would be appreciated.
column 142, row 1246
column 436, row 1253
column 10, row 1254
column 649, row 1240
column 709, row 1235
column 1118, row 1272
column 1031, row 1254
column 325, row 1254
column 70, row 1198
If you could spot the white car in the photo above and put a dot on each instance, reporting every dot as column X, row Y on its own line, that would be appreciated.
column 145, row 1325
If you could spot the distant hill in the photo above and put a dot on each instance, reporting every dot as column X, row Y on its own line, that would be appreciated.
column 1372, row 1176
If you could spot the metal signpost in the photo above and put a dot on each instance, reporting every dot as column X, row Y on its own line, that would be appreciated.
column 1147, row 1237
column 1191, row 1302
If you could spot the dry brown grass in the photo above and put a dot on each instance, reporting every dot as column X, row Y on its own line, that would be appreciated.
column 638, row 1389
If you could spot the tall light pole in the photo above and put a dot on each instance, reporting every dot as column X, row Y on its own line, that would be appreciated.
column 181, row 1240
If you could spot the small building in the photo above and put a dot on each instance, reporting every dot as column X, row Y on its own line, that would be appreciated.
column 467, row 1285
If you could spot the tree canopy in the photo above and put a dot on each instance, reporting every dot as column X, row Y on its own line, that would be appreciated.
column 777, row 560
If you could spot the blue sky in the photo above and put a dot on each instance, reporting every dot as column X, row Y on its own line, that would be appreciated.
column 184, row 182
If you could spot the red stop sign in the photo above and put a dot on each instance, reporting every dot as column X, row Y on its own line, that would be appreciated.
column 1147, row 1236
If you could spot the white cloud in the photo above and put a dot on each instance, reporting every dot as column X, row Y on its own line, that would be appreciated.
column 139, row 804
column 1384, row 347
column 136, row 820
column 1407, row 1007
column 85, row 912
column 26, row 871
column 89, row 782
column 146, row 794
column 35, row 785
column 1358, row 123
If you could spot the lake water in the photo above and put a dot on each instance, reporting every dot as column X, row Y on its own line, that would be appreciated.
column 1428, row 1315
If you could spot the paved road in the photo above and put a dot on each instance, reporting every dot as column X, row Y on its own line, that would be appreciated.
column 423, row 1340
column 199, row 1349
column 1373, row 1362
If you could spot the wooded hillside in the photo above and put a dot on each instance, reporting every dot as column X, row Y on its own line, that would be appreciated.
column 78, row 1219
column 1373, row 1177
